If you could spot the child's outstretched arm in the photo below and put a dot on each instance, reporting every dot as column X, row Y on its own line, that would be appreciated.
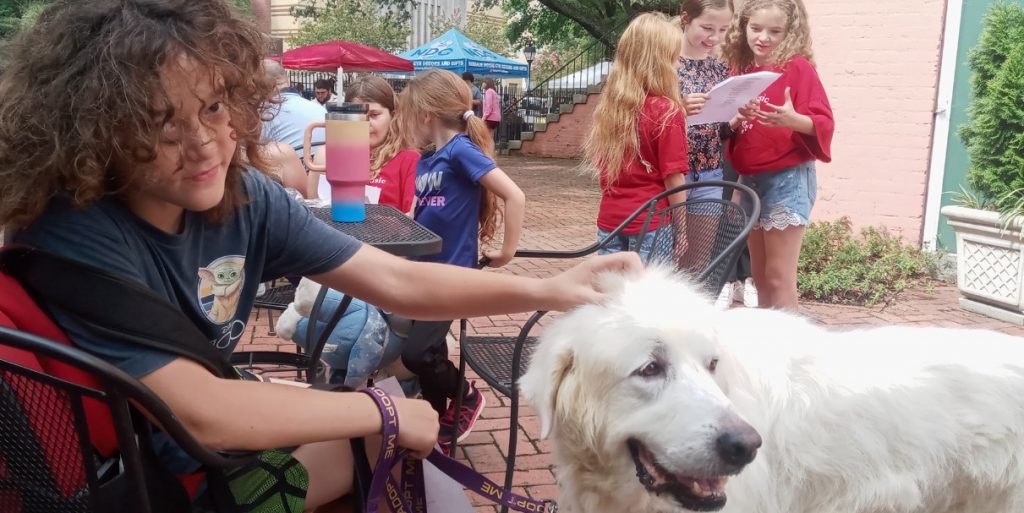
column 512, row 196
column 429, row 292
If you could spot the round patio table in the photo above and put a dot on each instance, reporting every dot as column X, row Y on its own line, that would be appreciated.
column 387, row 229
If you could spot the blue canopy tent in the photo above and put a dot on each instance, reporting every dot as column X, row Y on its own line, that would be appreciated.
column 455, row 52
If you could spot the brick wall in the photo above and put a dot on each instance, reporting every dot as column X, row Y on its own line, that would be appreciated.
column 564, row 137
column 879, row 62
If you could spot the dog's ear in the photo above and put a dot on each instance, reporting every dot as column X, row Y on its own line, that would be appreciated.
column 551, row 363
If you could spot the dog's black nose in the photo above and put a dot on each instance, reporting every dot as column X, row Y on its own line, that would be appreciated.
column 738, row 446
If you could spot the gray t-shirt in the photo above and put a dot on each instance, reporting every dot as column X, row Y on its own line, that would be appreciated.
column 211, row 270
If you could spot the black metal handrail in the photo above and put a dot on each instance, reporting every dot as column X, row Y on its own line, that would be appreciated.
column 578, row 63
column 571, row 81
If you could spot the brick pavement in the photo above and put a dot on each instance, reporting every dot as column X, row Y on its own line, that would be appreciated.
column 561, row 209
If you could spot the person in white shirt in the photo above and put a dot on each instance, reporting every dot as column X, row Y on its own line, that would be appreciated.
column 292, row 113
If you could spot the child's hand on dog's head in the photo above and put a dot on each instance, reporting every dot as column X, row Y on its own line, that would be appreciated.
column 580, row 285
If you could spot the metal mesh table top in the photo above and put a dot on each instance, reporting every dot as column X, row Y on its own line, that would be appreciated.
column 387, row 229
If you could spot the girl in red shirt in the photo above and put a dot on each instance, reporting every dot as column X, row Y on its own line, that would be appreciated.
column 393, row 162
column 637, row 143
column 790, row 127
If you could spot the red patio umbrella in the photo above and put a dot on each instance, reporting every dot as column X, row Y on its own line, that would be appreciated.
column 351, row 56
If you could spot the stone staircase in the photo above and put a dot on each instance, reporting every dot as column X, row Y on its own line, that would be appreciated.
column 548, row 122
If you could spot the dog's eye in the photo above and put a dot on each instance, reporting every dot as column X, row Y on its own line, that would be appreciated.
column 713, row 364
column 651, row 369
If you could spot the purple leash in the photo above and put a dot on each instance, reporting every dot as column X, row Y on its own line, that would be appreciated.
column 480, row 485
column 390, row 454
column 410, row 496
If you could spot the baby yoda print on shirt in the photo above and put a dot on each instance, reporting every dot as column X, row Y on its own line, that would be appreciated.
column 220, row 284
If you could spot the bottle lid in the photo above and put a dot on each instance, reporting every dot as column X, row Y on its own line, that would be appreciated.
column 348, row 108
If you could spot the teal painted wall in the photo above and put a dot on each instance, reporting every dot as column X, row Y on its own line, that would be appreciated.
column 956, row 155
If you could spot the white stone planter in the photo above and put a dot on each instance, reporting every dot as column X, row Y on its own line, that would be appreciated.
column 989, row 263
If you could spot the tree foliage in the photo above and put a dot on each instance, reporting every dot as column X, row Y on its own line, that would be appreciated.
column 16, row 15
column 552, row 21
column 1004, row 30
column 552, row 57
column 381, row 24
column 243, row 6
column 478, row 27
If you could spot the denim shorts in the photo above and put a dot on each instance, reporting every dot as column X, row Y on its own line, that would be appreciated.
column 787, row 196
column 704, row 192
column 626, row 243
column 714, row 194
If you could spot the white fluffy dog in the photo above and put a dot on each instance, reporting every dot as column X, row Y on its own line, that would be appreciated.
column 656, row 402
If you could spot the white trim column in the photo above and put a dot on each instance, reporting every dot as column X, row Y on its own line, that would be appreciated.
column 941, row 126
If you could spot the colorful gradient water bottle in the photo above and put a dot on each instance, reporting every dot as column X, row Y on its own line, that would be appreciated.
column 348, row 159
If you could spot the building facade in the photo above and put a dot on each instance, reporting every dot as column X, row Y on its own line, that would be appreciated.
column 280, row 23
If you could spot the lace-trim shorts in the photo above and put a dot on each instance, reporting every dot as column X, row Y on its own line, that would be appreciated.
column 787, row 196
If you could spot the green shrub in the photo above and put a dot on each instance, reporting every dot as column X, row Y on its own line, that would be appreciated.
column 994, row 133
column 836, row 266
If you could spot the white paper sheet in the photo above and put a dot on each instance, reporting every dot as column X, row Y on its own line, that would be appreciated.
column 729, row 95
column 372, row 195
column 323, row 188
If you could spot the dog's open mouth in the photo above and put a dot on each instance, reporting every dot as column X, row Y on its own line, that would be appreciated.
column 691, row 492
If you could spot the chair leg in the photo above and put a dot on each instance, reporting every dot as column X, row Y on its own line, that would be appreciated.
column 270, row 322
column 460, row 390
column 513, row 439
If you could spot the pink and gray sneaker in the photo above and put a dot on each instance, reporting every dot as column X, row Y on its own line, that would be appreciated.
column 472, row 406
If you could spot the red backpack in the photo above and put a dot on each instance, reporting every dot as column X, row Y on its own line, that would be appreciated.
column 54, row 449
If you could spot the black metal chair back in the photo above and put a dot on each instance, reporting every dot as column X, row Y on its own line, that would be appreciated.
column 47, row 458
column 42, row 464
column 700, row 238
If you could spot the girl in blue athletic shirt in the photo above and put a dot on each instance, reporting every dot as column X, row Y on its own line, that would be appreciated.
column 457, row 188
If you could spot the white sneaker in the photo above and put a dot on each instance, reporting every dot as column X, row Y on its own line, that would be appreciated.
column 749, row 293
column 726, row 296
